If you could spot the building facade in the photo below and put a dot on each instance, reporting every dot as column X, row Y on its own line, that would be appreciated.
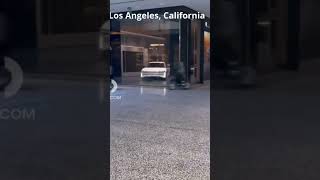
column 55, row 36
column 61, row 36
column 261, row 34
column 136, row 43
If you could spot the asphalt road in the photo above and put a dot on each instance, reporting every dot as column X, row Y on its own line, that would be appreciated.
column 160, row 134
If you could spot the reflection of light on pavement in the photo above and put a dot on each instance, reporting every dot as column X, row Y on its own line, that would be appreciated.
column 154, row 91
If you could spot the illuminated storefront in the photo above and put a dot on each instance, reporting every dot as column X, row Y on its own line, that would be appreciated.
column 135, row 43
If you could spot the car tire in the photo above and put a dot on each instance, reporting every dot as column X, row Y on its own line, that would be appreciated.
column 187, row 86
column 172, row 86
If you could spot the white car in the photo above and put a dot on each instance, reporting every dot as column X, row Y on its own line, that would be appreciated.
column 155, row 69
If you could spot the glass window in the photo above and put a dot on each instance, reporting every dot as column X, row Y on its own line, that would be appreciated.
column 156, row 41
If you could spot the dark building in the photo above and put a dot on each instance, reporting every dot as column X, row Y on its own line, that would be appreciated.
column 309, row 29
column 56, row 36
column 261, row 34
column 61, row 36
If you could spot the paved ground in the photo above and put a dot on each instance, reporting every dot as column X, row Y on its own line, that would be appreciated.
column 268, row 133
column 59, row 133
column 271, row 132
column 160, row 134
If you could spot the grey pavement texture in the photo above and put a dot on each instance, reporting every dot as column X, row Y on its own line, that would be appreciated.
column 66, row 138
column 160, row 134
column 271, row 132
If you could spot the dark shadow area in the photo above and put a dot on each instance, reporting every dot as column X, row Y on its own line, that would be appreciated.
column 265, row 118
column 54, row 101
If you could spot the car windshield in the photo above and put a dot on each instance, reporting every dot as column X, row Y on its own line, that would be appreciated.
column 156, row 65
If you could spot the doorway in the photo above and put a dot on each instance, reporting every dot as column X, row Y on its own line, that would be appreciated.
column 132, row 61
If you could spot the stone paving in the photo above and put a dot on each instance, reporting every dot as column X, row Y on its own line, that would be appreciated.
column 160, row 134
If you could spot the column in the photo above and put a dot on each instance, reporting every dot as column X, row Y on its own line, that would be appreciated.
column 115, row 43
column 185, row 45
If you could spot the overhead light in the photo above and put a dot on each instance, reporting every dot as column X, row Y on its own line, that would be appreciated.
column 124, row 1
column 156, row 45
column 264, row 23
